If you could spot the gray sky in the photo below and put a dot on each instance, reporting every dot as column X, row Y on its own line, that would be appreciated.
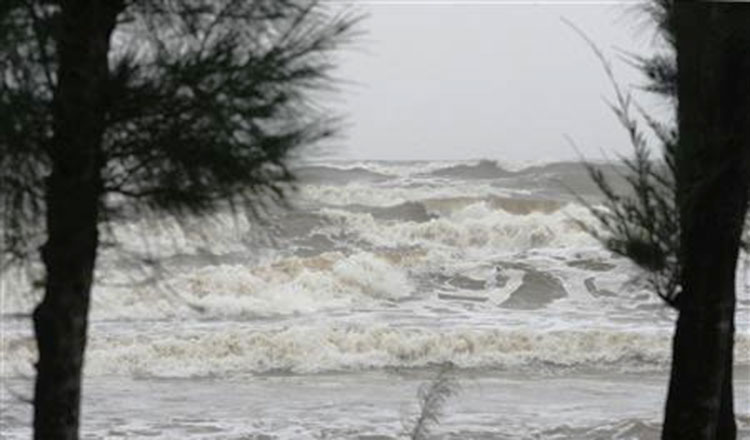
column 485, row 79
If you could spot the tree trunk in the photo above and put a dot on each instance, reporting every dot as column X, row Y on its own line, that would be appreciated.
column 713, row 56
column 73, row 197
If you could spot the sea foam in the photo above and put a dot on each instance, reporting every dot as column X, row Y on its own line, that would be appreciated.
column 229, row 352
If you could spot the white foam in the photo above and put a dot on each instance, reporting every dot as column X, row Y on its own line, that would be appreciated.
column 283, row 287
column 396, row 168
column 358, row 193
column 312, row 349
column 476, row 225
column 385, row 276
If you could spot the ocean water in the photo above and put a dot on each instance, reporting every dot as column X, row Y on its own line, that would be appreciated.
column 322, row 321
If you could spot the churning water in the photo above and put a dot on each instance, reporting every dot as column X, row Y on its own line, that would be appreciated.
column 321, row 321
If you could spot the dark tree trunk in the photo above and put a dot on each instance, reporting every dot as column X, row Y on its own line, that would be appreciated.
column 713, row 55
column 73, row 193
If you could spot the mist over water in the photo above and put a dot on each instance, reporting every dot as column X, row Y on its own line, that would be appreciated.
column 322, row 320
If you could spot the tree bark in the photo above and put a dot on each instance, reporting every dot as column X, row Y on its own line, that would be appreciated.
column 73, row 194
column 713, row 56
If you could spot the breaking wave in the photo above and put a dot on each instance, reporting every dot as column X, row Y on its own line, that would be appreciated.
column 484, row 169
column 302, row 349
column 475, row 225
column 327, row 174
column 296, row 285
column 380, row 265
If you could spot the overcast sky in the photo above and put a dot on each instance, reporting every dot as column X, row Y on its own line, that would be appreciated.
column 485, row 79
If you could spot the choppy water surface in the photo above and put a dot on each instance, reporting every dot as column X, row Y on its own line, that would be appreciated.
column 321, row 321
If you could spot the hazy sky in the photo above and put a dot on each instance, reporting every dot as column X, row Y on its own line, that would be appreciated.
column 486, row 79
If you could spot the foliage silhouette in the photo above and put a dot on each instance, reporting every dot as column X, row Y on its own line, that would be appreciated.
column 136, row 107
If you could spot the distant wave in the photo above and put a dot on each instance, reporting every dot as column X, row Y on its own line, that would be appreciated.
column 557, row 168
column 462, row 169
column 336, row 175
column 407, row 212
column 572, row 178
column 365, row 193
column 511, row 205
column 430, row 209
column 484, row 169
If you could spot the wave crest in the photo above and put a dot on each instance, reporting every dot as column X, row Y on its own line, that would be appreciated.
column 305, row 349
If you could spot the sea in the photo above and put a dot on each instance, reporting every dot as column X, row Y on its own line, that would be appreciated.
column 332, row 317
